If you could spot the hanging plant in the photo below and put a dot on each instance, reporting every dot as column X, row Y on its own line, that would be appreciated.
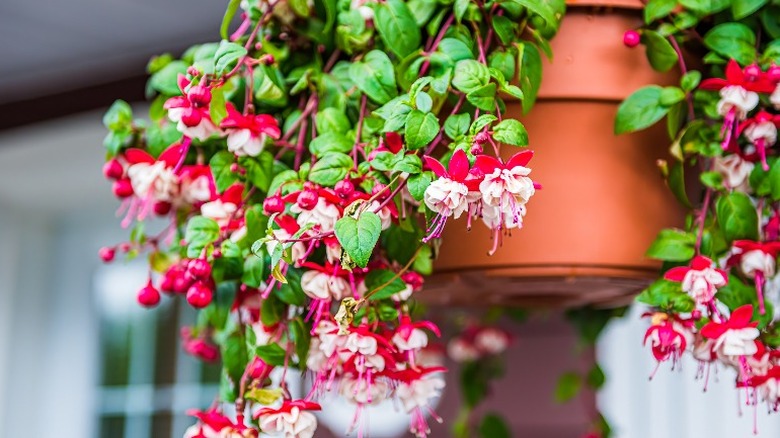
column 717, row 297
column 305, row 167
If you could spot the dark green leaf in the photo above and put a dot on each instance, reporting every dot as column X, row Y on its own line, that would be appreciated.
column 737, row 217
column 676, row 181
column 690, row 80
column 732, row 40
column 640, row 110
column 417, row 184
column 672, row 245
column 421, row 129
column 259, row 169
column 483, row 97
column 359, row 236
column 272, row 354
column 742, row 8
column 329, row 142
column 655, row 9
column 493, row 426
column 331, row 120
column 659, row 50
column 397, row 27
column 530, row 72
column 331, row 169
column 253, row 274
column 220, row 167
column 595, row 377
column 385, row 283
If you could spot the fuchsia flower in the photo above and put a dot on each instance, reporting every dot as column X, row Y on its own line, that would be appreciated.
column 191, row 110
column 736, row 335
column 213, row 424
column 761, row 130
column 739, row 95
column 478, row 341
column 448, row 195
column 224, row 208
column 701, row 280
column 416, row 389
column 247, row 134
column 757, row 261
column 669, row 336
column 292, row 420
column 410, row 335
column 736, row 170
column 767, row 384
column 199, row 346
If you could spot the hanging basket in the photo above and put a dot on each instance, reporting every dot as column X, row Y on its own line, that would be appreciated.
column 603, row 200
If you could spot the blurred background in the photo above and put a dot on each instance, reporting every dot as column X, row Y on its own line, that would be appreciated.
column 80, row 359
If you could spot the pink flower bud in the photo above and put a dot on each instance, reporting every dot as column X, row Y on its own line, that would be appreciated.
column 199, row 295
column 481, row 138
column 200, row 96
column 344, row 188
column 752, row 72
column 273, row 204
column 106, row 254
column 259, row 370
column 216, row 254
column 162, row 208
column 122, row 188
column 166, row 285
column 181, row 283
column 773, row 73
column 193, row 71
column 113, row 169
column 308, row 199
column 631, row 38
column 148, row 296
column 199, row 268
column 191, row 117
column 476, row 149
column 696, row 314
column 124, row 247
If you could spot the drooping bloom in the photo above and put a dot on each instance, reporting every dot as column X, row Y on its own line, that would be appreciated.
column 292, row 420
column 224, row 208
column 410, row 335
column 739, row 95
column 757, row 261
column 669, row 336
column 735, row 336
column 448, row 195
column 761, row 131
column 191, row 110
column 700, row 280
column 735, row 170
column 213, row 424
column 416, row 389
column 247, row 134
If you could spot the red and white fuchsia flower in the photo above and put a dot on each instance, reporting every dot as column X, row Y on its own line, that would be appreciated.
column 735, row 170
column 669, row 337
column 757, row 261
column 191, row 110
column 448, row 195
column 247, row 134
column 293, row 419
column 476, row 342
column 761, row 131
column 735, row 336
column 701, row 280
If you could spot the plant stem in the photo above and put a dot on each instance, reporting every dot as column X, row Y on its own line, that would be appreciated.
column 683, row 71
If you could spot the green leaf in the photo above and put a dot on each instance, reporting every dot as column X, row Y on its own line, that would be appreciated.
column 331, row 120
column 511, row 131
column 543, row 9
column 770, row 18
column 670, row 96
column 119, row 116
column 220, row 167
column 421, row 129
column 676, row 182
column 457, row 125
column 732, row 40
column 493, row 426
column 737, row 217
column 330, row 169
column 690, row 81
column 417, row 184
column 234, row 357
column 667, row 295
column 569, row 385
column 230, row 12
column 530, row 72
column 772, row 178
column 253, row 275
column 259, row 169
column 659, row 50
column 481, row 122
column 201, row 231
column 742, row 8
column 470, row 75
column 272, row 354
column 217, row 108
column 227, row 56
column 595, row 377
column 454, row 49
column 330, row 142
column 483, row 97
column 640, row 110
column 505, row 29
column 397, row 27
column 386, row 284
column 359, row 236
column 291, row 292
column 300, row 335
column 165, row 81
column 672, row 245
column 408, row 163
column 375, row 77
column 655, row 9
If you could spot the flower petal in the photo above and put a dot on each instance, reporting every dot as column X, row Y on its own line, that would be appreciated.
column 677, row 274
column 435, row 166
column 520, row 159
column 135, row 156
column 487, row 164
column 700, row 263
column 459, row 166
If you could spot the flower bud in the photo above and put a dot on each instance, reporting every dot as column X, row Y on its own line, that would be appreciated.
column 307, row 199
column 124, row 247
column 199, row 295
column 166, row 285
column 106, row 254
column 193, row 71
column 631, row 38
column 148, row 296
column 200, row 96
column 476, row 149
column 273, row 204
column 113, row 169
column 181, row 283
column 259, row 370
column 162, row 208
column 344, row 188
column 481, row 138
column 773, row 73
column 122, row 188
column 199, row 268
column 752, row 72
column 191, row 117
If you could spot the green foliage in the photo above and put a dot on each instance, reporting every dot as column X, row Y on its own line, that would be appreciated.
column 358, row 236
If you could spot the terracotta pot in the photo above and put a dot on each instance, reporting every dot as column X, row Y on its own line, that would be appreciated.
column 603, row 200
